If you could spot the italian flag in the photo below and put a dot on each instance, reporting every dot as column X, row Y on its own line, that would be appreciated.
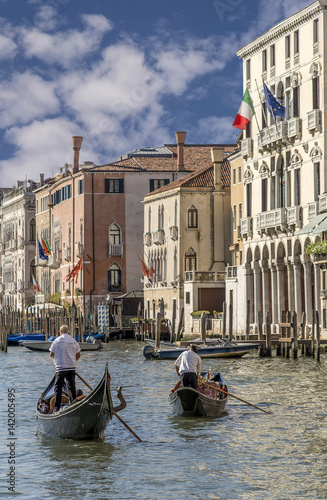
column 245, row 112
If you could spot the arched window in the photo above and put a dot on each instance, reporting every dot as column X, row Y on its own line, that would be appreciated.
column 192, row 216
column 81, row 233
column 114, row 278
column 32, row 230
column 114, row 234
column 190, row 260
column 149, row 220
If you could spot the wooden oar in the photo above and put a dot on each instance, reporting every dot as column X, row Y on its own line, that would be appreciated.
column 116, row 415
column 233, row 396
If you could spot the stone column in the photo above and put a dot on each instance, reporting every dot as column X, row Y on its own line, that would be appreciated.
column 280, row 291
column 265, row 290
column 308, row 291
column 297, row 289
column 290, row 274
column 274, row 301
column 249, row 288
column 316, row 305
column 257, row 289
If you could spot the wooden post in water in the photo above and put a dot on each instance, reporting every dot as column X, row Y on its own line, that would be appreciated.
column 303, row 323
column 173, row 323
column 260, row 325
column 247, row 326
column 318, row 336
column 224, row 320
column 138, row 321
column 230, row 332
column 288, row 333
column 294, row 324
column 157, row 339
column 180, row 324
column 312, row 343
column 268, row 334
column 203, row 326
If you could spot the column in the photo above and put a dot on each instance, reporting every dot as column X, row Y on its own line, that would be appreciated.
column 274, row 308
column 265, row 290
column 308, row 291
column 297, row 289
column 280, row 291
column 249, row 288
column 290, row 274
column 316, row 305
column 257, row 290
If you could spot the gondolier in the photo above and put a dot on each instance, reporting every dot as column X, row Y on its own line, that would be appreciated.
column 188, row 365
column 65, row 351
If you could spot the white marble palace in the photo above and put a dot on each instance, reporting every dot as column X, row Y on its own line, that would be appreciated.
column 285, row 171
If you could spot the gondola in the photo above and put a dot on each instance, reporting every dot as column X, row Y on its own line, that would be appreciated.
column 86, row 418
column 208, row 401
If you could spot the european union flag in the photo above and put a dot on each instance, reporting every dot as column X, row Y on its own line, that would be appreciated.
column 274, row 107
column 41, row 252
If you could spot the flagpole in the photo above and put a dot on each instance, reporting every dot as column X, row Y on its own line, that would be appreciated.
column 263, row 109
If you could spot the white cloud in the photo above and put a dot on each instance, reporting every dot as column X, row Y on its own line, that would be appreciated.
column 66, row 48
column 25, row 97
column 7, row 47
column 216, row 130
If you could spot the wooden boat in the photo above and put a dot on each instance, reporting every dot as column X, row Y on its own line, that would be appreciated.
column 86, row 418
column 208, row 401
column 44, row 345
column 16, row 338
column 217, row 349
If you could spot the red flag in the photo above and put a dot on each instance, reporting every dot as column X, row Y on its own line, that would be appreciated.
column 151, row 272
column 145, row 270
column 35, row 285
column 74, row 272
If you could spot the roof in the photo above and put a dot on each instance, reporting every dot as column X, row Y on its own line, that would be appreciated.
column 203, row 177
column 154, row 160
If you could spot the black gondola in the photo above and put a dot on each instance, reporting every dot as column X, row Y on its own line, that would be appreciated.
column 83, row 419
column 186, row 401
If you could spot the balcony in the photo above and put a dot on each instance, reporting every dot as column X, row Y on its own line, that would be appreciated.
column 79, row 250
column 246, row 227
column 323, row 202
column 147, row 239
column 10, row 286
column 313, row 210
column 273, row 135
column 116, row 250
column 294, row 217
column 247, row 148
column 294, row 128
column 159, row 237
column 54, row 260
column 21, row 242
column 67, row 254
column 204, row 276
column 173, row 232
column 231, row 272
column 271, row 221
column 2, row 248
column 314, row 121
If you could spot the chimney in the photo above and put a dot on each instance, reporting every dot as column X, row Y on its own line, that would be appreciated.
column 41, row 179
column 217, row 156
column 180, row 139
column 77, row 144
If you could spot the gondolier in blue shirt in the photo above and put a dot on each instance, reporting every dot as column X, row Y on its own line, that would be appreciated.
column 65, row 351
column 188, row 365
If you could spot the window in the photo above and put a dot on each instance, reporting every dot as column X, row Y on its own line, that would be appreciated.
column 114, row 278
column 80, row 186
column 287, row 47
column 239, row 212
column 296, row 101
column 316, row 173
column 234, row 217
column 239, row 174
column 149, row 220
column 188, row 298
column 272, row 56
column 249, row 199
column 157, row 183
column 161, row 217
column 114, row 185
column 81, row 233
column 264, row 60
column 288, row 189
column 264, row 195
column 296, row 42
column 315, row 92
column 192, row 217
column 248, row 69
column 114, row 234
column 32, row 230
column 248, row 130
column 315, row 30
column 264, row 114
column 234, row 175
column 190, row 260
column 297, row 187
column 62, row 194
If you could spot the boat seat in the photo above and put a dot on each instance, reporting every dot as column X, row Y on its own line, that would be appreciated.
column 64, row 400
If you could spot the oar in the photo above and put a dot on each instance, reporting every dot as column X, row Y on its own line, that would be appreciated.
column 116, row 415
column 236, row 397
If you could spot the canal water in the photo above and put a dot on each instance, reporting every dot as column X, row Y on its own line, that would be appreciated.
column 244, row 454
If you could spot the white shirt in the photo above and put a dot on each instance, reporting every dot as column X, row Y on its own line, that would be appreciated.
column 188, row 361
column 64, row 349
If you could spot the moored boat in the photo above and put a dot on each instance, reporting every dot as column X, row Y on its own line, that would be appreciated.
column 208, row 401
column 16, row 338
column 44, row 345
column 85, row 418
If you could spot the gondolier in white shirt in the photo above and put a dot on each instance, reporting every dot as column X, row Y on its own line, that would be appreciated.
column 65, row 351
column 188, row 365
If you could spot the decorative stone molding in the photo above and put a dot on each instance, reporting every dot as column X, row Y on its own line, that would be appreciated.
column 296, row 160
column 315, row 69
column 315, row 153
column 264, row 170
column 248, row 175
column 296, row 79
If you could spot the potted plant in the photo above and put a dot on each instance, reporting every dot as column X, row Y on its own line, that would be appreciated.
column 317, row 250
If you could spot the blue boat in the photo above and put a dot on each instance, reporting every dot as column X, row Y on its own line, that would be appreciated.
column 16, row 338
column 213, row 349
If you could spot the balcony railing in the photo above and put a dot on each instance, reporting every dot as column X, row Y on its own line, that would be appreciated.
column 79, row 249
column 231, row 272
column 204, row 276
column 247, row 148
column 116, row 250
column 67, row 253
column 159, row 237
column 313, row 210
column 246, row 227
column 314, row 120
column 294, row 128
column 173, row 232
column 54, row 260
column 147, row 239
column 294, row 216
column 275, row 134
column 323, row 202
column 273, row 220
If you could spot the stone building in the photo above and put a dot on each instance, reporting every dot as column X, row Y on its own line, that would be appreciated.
column 285, row 175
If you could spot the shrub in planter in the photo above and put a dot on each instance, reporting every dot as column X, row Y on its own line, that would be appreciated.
column 319, row 248
column 197, row 314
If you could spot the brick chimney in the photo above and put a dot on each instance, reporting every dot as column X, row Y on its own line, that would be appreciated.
column 77, row 144
column 180, row 139
column 217, row 156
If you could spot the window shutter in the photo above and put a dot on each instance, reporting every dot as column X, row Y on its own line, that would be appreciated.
column 106, row 185
column 121, row 185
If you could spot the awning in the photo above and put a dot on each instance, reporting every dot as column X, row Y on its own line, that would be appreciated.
column 312, row 226
column 322, row 226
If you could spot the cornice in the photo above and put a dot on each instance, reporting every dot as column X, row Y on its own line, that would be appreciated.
column 281, row 29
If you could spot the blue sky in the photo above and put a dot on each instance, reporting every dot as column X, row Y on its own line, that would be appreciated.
column 123, row 74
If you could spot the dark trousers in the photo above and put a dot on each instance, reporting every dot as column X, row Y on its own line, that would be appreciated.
column 190, row 379
column 69, row 375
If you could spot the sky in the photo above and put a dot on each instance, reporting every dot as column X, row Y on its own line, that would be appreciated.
column 122, row 74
